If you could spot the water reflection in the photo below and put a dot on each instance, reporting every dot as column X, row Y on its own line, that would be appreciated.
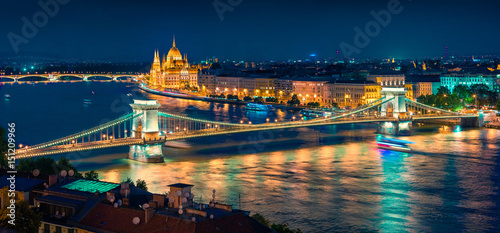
column 322, row 179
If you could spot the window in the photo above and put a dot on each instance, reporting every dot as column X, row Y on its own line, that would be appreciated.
column 46, row 228
column 58, row 229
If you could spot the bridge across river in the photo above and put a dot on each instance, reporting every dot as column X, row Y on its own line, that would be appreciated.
column 146, row 129
column 57, row 77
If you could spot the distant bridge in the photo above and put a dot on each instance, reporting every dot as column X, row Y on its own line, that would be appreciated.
column 55, row 77
column 146, row 129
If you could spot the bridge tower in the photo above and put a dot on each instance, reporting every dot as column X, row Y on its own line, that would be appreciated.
column 145, row 127
column 395, row 108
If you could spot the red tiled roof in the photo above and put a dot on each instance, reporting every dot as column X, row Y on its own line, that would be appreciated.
column 107, row 218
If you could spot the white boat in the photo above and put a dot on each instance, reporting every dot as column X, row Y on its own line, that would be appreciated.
column 259, row 107
column 129, row 94
column 315, row 113
column 177, row 144
column 393, row 144
column 7, row 96
column 87, row 101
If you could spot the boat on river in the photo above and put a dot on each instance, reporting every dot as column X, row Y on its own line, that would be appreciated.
column 177, row 144
column 259, row 107
column 393, row 144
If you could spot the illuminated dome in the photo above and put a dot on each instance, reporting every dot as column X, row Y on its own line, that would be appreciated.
column 174, row 53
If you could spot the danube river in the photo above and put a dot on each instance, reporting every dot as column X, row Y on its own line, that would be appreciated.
column 317, row 179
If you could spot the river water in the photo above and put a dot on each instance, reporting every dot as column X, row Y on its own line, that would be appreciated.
column 322, row 179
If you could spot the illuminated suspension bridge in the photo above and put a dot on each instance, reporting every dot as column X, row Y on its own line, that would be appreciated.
column 146, row 129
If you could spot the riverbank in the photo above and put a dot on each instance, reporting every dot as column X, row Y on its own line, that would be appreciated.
column 208, row 99
column 188, row 96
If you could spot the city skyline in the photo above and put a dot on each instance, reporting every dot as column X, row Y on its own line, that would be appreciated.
column 131, row 31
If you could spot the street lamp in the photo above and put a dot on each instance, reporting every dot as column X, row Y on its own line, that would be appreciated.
column 241, row 122
column 293, row 118
column 267, row 120
column 275, row 120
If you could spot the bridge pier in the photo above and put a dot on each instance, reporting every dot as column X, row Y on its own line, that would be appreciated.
column 402, row 127
column 474, row 122
column 145, row 127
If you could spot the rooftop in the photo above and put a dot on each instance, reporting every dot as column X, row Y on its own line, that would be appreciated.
column 105, row 217
column 90, row 186
column 22, row 183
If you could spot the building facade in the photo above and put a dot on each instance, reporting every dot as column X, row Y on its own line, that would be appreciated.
column 422, row 88
column 309, row 91
column 451, row 80
column 351, row 94
column 388, row 80
column 173, row 72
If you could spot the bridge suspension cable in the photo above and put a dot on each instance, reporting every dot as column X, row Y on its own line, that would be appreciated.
column 427, row 107
column 100, row 128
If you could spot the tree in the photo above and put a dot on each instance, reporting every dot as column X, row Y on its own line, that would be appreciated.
column 129, row 180
column 498, row 105
column 278, row 228
column 442, row 90
column 261, row 219
column 64, row 164
column 258, row 99
column 47, row 165
column 3, row 148
column 27, row 219
column 283, row 228
column 271, row 99
column 294, row 101
column 247, row 98
column 462, row 91
column 92, row 175
column 141, row 184
column 313, row 104
column 482, row 94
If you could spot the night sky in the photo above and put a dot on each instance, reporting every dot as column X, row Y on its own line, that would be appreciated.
column 125, row 30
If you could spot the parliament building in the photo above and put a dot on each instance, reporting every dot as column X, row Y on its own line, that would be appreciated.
column 174, row 71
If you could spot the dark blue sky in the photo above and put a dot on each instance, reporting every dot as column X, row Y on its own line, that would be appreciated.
column 127, row 30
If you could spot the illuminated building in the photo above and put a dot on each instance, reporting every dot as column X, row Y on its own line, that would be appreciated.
column 309, row 91
column 388, row 80
column 422, row 88
column 174, row 71
column 451, row 80
column 283, row 89
column 351, row 94
column 264, row 87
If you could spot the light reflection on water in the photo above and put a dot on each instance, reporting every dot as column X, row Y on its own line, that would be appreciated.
column 352, row 186
column 323, row 179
